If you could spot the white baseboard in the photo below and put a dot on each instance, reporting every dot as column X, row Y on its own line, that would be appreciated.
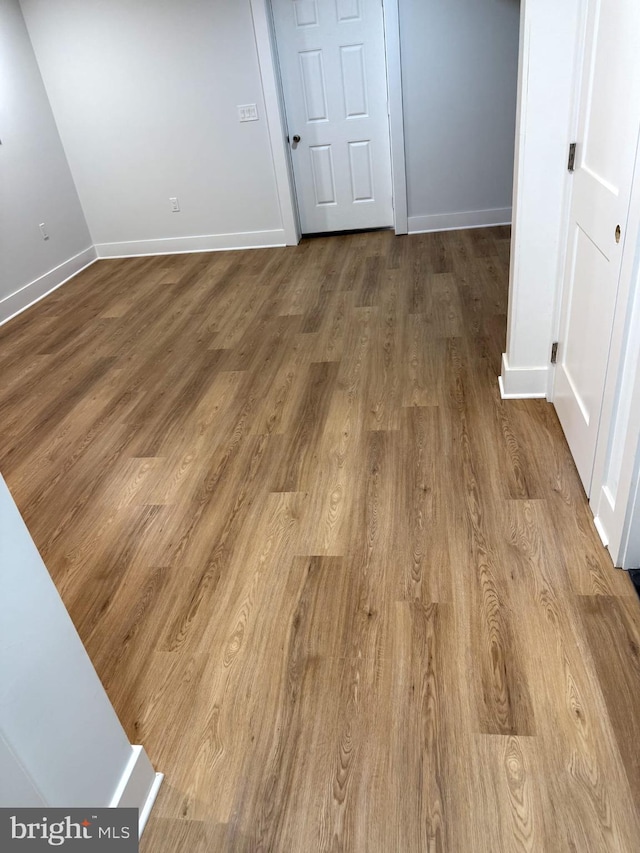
column 40, row 287
column 458, row 221
column 602, row 533
column 145, row 811
column 138, row 786
column 521, row 383
column 202, row 243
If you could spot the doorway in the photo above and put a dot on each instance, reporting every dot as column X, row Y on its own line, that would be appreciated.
column 347, row 170
column 332, row 65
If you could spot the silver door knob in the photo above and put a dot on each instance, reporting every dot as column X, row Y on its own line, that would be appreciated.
column 295, row 139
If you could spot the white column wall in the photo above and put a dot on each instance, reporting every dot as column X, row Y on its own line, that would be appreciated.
column 549, row 48
column 64, row 741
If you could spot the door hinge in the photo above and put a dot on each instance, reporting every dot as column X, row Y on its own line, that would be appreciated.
column 571, row 165
column 554, row 352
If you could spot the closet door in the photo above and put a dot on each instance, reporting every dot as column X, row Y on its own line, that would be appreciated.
column 609, row 121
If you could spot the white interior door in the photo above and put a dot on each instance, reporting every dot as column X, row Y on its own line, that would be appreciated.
column 609, row 119
column 332, row 63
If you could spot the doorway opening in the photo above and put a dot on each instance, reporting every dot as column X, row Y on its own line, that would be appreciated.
column 331, row 73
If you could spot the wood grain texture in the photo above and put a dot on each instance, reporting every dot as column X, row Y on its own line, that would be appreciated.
column 347, row 597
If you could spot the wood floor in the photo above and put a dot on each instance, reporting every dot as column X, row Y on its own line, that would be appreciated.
column 347, row 598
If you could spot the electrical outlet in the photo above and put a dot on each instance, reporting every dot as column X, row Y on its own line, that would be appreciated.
column 248, row 112
column 43, row 231
column 175, row 205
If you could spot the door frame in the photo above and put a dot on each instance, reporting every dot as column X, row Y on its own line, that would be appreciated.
column 274, row 106
column 574, row 118
column 276, row 124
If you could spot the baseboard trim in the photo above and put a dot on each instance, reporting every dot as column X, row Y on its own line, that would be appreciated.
column 522, row 383
column 42, row 286
column 138, row 787
column 184, row 245
column 602, row 533
column 45, row 284
column 458, row 221
column 145, row 811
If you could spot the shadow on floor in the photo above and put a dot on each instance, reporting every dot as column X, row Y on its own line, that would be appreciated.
column 634, row 574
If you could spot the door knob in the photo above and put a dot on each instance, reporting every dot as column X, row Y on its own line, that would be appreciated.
column 296, row 139
column 618, row 231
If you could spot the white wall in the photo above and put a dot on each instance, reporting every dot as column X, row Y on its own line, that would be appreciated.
column 459, row 76
column 549, row 47
column 145, row 95
column 35, row 181
column 59, row 734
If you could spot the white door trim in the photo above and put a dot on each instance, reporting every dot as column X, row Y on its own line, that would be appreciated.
column 265, row 43
column 579, row 50
column 546, row 97
column 391, row 14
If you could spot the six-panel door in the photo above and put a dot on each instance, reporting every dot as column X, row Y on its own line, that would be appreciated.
column 332, row 62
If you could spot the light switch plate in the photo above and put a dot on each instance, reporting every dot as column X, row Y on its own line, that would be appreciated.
column 248, row 112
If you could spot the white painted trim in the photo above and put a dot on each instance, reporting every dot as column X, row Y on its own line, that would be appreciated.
column 548, row 38
column 458, row 221
column 202, row 243
column 602, row 533
column 145, row 811
column 572, row 135
column 522, row 382
column 629, row 552
column 37, row 289
column 138, row 786
column 391, row 15
column 136, row 781
column 524, row 49
column 262, row 28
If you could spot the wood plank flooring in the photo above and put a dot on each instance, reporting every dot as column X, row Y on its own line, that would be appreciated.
column 347, row 598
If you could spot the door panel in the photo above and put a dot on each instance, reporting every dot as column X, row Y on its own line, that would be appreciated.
column 361, row 171
column 348, row 10
column 322, row 168
column 354, row 84
column 306, row 12
column 585, row 353
column 332, row 62
column 609, row 119
column 313, row 85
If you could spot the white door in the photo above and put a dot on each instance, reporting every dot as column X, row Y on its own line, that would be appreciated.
column 332, row 64
column 609, row 119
